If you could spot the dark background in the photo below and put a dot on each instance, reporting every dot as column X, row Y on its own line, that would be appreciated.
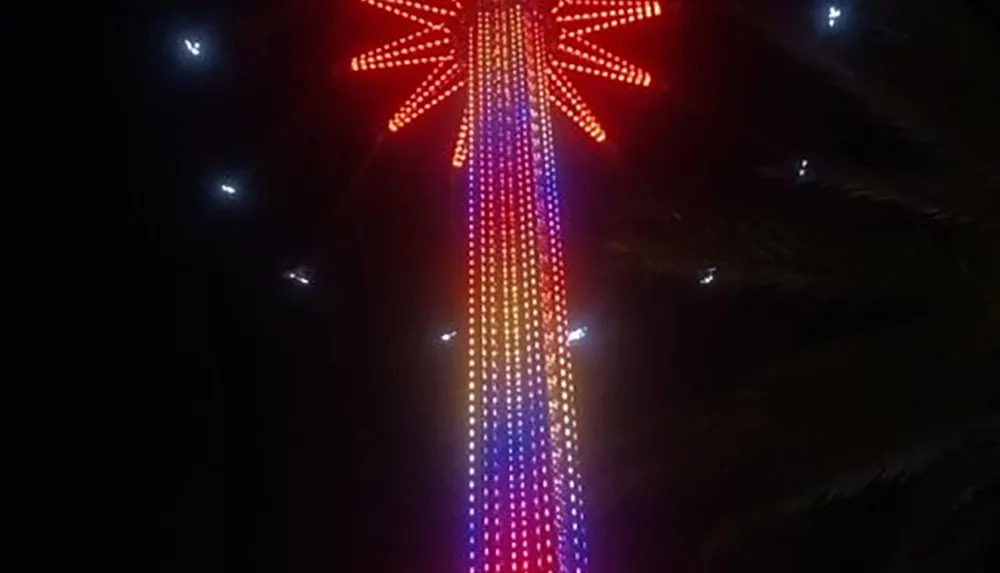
column 225, row 418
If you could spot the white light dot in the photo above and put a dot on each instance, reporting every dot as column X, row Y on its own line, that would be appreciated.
column 193, row 47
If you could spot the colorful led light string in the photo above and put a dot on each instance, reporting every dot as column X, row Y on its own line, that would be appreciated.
column 525, row 492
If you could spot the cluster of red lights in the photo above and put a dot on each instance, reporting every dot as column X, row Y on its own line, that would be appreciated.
column 444, row 30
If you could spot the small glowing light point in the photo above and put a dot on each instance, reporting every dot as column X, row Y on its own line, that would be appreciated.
column 833, row 14
column 193, row 47
column 576, row 335
column 228, row 189
column 449, row 336
column 300, row 275
column 803, row 170
column 708, row 276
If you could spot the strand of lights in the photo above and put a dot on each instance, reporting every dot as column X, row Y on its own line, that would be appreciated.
column 437, row 76
column 423, row 7
column 418, row 103
column 401, row 121
column 572, row 546
column 477, row 313
column 461, row 152
column 626, row 79
column 609, row 3
column 521, row 135
column 401, row 42
column 569, row 102
column 598, row 135
column 602, row 57
column 390, row 6
column 406, row 62
column 528, row 264
column 554, row 348
column 565, row 87
column 507, row 277
column 649, row 10
column 491, row 468
column 631, row 11
column 385, row 59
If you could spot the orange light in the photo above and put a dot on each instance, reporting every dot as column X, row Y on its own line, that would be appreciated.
column 387, row 56
column 621, row 69
column 607, row 19
column 461, row 144
column 391, row 6
column 417, row 104
column 571, row 103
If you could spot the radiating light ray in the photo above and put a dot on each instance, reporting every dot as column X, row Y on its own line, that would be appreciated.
column 401, row 62
column 600, row 22
column 462, row 142
column 595, row 54
column 608, row 3
column 423, row 7
column 401, row 119
column 438, row 77
column 569, row 101
column 605, row 73
column 411, row 11
column 612, row 14
column 403, row 47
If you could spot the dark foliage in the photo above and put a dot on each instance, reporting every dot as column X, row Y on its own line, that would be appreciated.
column 890, row 431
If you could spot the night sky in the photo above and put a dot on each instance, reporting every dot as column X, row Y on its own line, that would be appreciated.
column 226, row 418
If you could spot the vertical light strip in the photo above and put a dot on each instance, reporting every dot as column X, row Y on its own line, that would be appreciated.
column 502, row 193
column 530, row 522
column 527, row 520
column 545, row 526
column 477, row 335
column 572, row 557
column 489, row 132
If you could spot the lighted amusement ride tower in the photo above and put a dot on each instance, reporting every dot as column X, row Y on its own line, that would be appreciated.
column 525, row 494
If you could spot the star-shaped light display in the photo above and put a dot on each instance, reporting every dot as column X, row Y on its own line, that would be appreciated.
column 440, row 43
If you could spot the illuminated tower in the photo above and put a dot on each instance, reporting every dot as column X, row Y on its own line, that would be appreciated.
column 525, row 491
